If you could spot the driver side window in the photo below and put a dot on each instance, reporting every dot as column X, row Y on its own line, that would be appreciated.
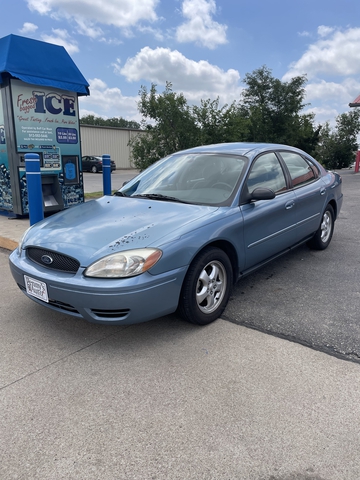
column 266, row 172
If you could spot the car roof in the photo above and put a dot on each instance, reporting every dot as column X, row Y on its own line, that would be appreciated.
column 241, row 148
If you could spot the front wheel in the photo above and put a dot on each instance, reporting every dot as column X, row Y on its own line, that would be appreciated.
column 207, row 287
column 323, row 236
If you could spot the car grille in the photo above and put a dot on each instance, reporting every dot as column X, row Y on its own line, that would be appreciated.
column 65, row 307
column 52, row 260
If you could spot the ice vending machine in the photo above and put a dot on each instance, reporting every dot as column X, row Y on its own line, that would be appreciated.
column 39, row 89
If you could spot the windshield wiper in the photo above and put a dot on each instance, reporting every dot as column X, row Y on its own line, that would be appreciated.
column 159, row 196
column 119, row 194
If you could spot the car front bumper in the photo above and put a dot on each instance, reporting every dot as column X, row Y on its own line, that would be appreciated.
column 122, row 301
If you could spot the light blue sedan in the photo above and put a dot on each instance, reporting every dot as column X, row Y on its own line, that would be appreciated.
column 179, row 235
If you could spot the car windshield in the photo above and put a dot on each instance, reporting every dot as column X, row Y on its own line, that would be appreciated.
column 199, row 178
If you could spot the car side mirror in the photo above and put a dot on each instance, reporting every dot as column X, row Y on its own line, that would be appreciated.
column 262, row 194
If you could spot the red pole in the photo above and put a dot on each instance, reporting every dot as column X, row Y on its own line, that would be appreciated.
column 357, row 163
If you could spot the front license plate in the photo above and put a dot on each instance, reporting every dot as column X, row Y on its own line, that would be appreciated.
column 36, row 288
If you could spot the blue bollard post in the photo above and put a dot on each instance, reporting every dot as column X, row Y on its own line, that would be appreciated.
column 33, row 181
column 106, row 166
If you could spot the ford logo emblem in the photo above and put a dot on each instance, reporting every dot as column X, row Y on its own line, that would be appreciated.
column 47, row 259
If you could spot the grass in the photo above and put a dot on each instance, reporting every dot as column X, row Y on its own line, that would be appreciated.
column 94, row 195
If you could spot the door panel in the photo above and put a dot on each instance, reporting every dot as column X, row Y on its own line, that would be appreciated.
column 309, row 190
column 269, row 227
column 310, row 200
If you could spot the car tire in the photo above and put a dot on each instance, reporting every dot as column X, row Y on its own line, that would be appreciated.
column 207, row 287
column 94, row 169
column 323, row 236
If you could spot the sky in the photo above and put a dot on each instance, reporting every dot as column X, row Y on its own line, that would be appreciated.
column 203, row 47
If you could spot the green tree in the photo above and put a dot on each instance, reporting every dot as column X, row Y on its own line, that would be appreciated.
column 273, row 109
column 337, row 147
column 257, row 102
column 168, row 123
column 220, row 124
column 269, row 111
column 110, row 122
column 308, row 135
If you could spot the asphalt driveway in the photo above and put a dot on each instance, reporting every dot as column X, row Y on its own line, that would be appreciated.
column 311, row 297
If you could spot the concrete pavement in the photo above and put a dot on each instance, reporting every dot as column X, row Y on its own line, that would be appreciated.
column 167, row 400
column 11, row 231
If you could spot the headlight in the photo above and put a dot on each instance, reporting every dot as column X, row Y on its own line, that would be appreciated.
column 124, row 264
column 21, row 242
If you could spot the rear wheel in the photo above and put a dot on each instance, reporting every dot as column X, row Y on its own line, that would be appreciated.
column 323, row 236
column 94, row 169
column 207, row 287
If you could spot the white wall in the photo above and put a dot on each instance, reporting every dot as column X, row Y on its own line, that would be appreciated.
column 97, row 140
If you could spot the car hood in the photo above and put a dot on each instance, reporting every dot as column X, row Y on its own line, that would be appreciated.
column 110, row 224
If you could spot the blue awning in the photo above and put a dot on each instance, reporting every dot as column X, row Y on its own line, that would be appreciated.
column 40, row 63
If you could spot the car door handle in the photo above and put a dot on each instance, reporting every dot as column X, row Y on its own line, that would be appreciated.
column 289, row 205
column 322, row 191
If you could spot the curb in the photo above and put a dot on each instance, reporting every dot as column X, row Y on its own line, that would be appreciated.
column 8, row 244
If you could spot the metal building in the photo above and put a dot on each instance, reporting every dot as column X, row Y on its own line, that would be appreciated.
column 96, row 141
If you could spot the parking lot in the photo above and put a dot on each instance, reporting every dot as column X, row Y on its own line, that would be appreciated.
column 303, row 289
column 169, row 400
column 312, row 297
column 93, row 182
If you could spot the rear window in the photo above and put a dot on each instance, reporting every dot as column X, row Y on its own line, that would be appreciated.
column 301, row 171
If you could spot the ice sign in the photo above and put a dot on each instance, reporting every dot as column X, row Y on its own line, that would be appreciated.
column 66, row 135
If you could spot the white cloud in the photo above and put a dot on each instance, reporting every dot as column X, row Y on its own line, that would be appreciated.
column 332, row 65
column 120, row 13
column 41, row 6
column 61, row 37
column 108, row 102
column 199, row 26
column 156, row 33
column 324, row 114
column 337, row 55
column 88, row 28
column 324, row 31
column 117, row 66
column 28, row 28
column 197, row 80
column 329, row 99
column 337, row 93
